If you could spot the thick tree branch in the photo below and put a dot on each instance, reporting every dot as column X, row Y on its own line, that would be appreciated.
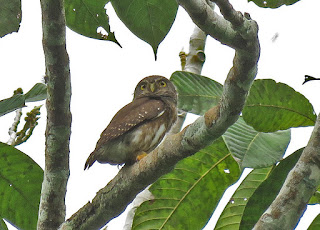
column 301, row 183
column 56, row 174
column 111, row 200
column 213, row 24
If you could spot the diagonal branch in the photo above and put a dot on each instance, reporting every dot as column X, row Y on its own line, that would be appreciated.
column 56, row 174
column 301, row 183
column 111, row 200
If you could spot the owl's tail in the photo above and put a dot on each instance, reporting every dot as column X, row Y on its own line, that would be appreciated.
column 91, row 159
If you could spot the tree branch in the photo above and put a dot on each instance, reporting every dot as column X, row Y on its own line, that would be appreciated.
column 56, row 174
column 213, row 24
column 301, row 183
column 196, row 56
column 193, row 62
column 111, row 200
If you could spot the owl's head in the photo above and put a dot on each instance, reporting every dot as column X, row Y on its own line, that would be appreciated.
column 156, row 86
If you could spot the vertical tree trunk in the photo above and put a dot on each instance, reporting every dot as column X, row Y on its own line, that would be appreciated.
column 52, row 203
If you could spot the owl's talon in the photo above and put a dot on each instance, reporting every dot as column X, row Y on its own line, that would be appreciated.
column 140, row 156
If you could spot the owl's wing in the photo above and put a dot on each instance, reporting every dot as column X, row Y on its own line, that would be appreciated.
column 131, row 115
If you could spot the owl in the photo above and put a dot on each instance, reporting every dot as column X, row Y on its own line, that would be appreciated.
column 138, row 127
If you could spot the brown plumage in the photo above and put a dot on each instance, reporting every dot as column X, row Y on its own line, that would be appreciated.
column 138, row 127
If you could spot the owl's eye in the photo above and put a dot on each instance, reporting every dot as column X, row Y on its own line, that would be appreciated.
column 143, row 87
column 163, row 83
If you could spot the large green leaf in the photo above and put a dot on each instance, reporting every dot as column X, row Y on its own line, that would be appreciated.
column 10, row 16
column 254, row 149
column 315, row 225
column 275, row 106
column 267, row 191
column 86, row 16
column 20, row 187
column 186, row 197
column 150, row 20
column 37, row 93
column 232, row 214
column 196, row 93
column 273, row 3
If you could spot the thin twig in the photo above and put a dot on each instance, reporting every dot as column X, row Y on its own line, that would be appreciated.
column 14, row 127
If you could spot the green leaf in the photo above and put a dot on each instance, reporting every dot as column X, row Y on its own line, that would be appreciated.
column 10, row 16
column 315, row 225
column 196, row 93
column 186, row 197
column 20, row 187
column 37, row 93
column 273, row 3
column 315, row 199
column 150, row 20
column 3, row 225
column 275, row 106
column 11, row 104
column 86, row 16
column 231, row 216
column 254, row 149
column 268, row 190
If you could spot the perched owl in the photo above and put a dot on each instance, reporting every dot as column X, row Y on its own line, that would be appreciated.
column 138, row 127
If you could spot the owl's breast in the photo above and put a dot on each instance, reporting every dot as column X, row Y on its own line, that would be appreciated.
column 147, row 136
column 143, row 138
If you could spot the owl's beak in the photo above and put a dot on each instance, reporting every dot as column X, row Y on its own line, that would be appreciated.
column 152, row 87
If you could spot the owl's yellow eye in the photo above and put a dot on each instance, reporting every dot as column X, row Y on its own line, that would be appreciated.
column 143, row 87
column 163, row 83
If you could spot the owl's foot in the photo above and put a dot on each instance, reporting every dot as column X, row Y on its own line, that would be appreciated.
column 141, row 155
